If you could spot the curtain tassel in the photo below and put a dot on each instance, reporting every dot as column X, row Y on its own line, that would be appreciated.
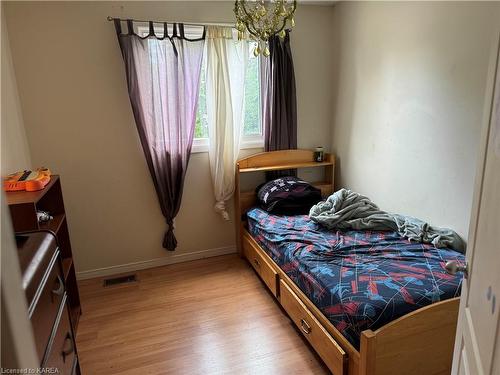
column 220, row 207
column 169, row 240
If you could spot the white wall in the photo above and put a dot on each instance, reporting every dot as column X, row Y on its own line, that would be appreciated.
column 15, row 153
column 410, row 80
column 79, row 123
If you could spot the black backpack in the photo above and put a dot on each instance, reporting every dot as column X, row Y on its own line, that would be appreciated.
column 288, row 196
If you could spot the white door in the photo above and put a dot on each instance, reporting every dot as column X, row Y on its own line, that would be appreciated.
column 477, row 345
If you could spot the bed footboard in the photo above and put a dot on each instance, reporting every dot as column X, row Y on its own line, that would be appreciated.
column 418, row 343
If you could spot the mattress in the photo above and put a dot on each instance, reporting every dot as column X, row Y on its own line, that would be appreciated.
column 358, row 279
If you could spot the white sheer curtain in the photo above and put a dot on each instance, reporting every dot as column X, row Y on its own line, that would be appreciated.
column 227, row 60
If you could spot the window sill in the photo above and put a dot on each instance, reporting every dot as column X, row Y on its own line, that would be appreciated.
column 200, row 145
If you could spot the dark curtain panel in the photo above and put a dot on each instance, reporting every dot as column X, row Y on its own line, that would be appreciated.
column 279, row 100
column 163, row 77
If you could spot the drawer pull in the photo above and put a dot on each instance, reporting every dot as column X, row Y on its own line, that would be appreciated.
column 60, row 289
column 305, row 327
column 66, row 352
column 256, row 262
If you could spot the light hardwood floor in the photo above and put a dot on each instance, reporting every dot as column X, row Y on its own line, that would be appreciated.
column 210, row 316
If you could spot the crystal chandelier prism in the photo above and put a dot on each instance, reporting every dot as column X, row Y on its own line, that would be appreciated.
column 263, row 19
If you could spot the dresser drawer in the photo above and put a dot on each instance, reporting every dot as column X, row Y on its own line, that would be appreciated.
column 262, row 266
column 35, row 252
column 46, row 305
column 61, row 352
column 327, row 348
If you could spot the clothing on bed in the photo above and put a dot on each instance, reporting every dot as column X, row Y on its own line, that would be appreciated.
column 346, row 209
column 358, row 279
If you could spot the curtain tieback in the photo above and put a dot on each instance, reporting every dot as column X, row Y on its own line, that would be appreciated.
column 169, row 240
column 220, row 207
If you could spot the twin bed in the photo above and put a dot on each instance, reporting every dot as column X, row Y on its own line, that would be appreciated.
column 369, row 302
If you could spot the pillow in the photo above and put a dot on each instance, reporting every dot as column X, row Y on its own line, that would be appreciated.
column 288, row 196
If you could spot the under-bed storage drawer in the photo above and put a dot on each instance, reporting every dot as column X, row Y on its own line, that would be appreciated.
column 327, row 348
column 262, row 266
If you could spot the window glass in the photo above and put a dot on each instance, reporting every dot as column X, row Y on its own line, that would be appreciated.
column 252, row 125
column 201, row 127
column 252, row 96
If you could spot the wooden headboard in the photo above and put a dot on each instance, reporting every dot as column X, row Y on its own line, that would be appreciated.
column 274, row 161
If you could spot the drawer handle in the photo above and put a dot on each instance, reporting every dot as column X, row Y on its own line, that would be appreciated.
column 60, row 289
column 66, row 352
column 256, row 262
column 305, row 327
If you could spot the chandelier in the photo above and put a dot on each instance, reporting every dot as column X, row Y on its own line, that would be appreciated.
column 263, row 19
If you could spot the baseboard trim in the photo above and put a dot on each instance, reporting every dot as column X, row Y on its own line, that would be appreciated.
column 136, row 266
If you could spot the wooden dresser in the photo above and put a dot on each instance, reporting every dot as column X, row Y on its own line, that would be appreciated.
column 57, row 272
column 47, row 298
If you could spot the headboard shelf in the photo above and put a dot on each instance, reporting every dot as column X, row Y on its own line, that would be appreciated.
column 279, row 160
column 310, row 164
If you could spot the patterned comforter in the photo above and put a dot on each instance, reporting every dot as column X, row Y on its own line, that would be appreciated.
column 358, row 279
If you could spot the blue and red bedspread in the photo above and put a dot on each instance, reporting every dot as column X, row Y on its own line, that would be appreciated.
column 358, row 279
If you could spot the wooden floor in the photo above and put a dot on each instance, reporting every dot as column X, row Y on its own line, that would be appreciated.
column 211, row 316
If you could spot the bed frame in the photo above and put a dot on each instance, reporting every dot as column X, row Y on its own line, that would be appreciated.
column 418, row 343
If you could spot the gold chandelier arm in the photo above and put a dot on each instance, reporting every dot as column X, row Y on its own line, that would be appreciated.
column 239, row 4
column 283, row 25
column 261, row 21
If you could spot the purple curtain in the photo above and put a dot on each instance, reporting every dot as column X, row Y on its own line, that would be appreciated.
column 279, row 99
column 163, row 77
column 280, row 109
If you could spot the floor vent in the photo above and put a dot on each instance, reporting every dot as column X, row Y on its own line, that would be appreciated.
column 120, row 280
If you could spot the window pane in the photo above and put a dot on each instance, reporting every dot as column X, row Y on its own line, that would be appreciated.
column 252, row 124
column 252, row 96
column 201, row 127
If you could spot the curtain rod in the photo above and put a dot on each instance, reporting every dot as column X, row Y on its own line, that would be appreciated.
column 109, row 18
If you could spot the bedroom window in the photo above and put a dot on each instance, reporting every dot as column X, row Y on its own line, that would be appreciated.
column 252, row 131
